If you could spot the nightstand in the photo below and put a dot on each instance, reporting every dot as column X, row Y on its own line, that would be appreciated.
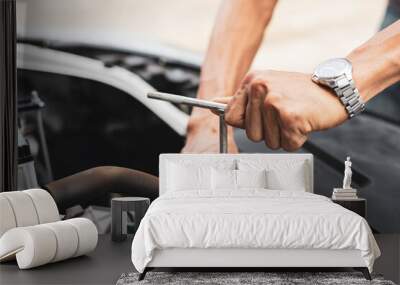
column 121, row 207
column 358, row 206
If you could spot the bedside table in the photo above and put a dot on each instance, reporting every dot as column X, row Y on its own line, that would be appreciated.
column 121, row 207
column 358, row 206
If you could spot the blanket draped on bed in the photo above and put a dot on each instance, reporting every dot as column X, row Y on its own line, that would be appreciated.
column 250, row 219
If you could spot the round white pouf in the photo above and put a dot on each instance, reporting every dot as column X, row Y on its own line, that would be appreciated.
column 23, row 208
column 7, row 218
column 46, row 208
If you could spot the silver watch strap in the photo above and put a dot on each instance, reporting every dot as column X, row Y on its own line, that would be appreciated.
column 349, row 95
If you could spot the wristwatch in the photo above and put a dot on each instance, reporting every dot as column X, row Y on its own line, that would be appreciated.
column 337, row 74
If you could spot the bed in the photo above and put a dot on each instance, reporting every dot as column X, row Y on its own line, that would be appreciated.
column 247, row 210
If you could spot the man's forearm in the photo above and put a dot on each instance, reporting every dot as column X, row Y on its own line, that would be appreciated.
column 236, row 37
column 283, row 108
column 376, row 63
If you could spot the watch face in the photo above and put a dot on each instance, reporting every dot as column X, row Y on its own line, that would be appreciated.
column 333, row 68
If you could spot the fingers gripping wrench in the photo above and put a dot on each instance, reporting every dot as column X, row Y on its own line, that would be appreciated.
column 216, row 107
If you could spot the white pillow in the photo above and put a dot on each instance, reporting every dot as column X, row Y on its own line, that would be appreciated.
column 251, row 178
column 227, row 179
column 292, row 179
column 282, row 174
column 188, row 177
column 223, row 179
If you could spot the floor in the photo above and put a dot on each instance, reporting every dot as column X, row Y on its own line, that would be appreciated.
column 389, row 262
column 103, row 266
column 110, row 260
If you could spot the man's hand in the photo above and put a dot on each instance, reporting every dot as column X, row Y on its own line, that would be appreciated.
column 203, row 134
column 282, row 108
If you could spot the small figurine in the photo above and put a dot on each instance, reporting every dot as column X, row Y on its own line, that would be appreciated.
column 347, row 174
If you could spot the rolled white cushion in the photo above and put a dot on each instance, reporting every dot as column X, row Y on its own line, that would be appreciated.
column 7, row 218
column 33, row 246
column 67, row 240
column 46, row 208
column 251, row 178
column 40, row 244
column 87, row 235
column 23, row 208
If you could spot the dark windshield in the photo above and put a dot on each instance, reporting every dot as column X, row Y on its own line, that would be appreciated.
column 387, row 105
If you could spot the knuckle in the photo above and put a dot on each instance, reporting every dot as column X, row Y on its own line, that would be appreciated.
column 285, row 146
column 231, row 104
column 296, row 145
column 270, row 101
column 255, row 95
column 229, row 117
column 293, row 143
column 266, row 104
column 250, row 76
column 259, row 85
column 272, row 145
column 253, row 137
column 255, row 75
column 233, row 120
column 306, row 127
column 274, row 99
column 289, row 147
column 288, row 116
column 297, row 118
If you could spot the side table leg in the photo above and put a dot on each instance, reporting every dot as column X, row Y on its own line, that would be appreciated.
column 116, row 218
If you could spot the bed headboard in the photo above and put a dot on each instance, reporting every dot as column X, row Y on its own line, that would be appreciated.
column 215, row 158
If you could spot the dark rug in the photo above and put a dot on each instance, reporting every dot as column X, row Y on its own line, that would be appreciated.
column 230, row 278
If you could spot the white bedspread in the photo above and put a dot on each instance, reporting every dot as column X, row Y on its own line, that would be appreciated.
column 250, row 219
